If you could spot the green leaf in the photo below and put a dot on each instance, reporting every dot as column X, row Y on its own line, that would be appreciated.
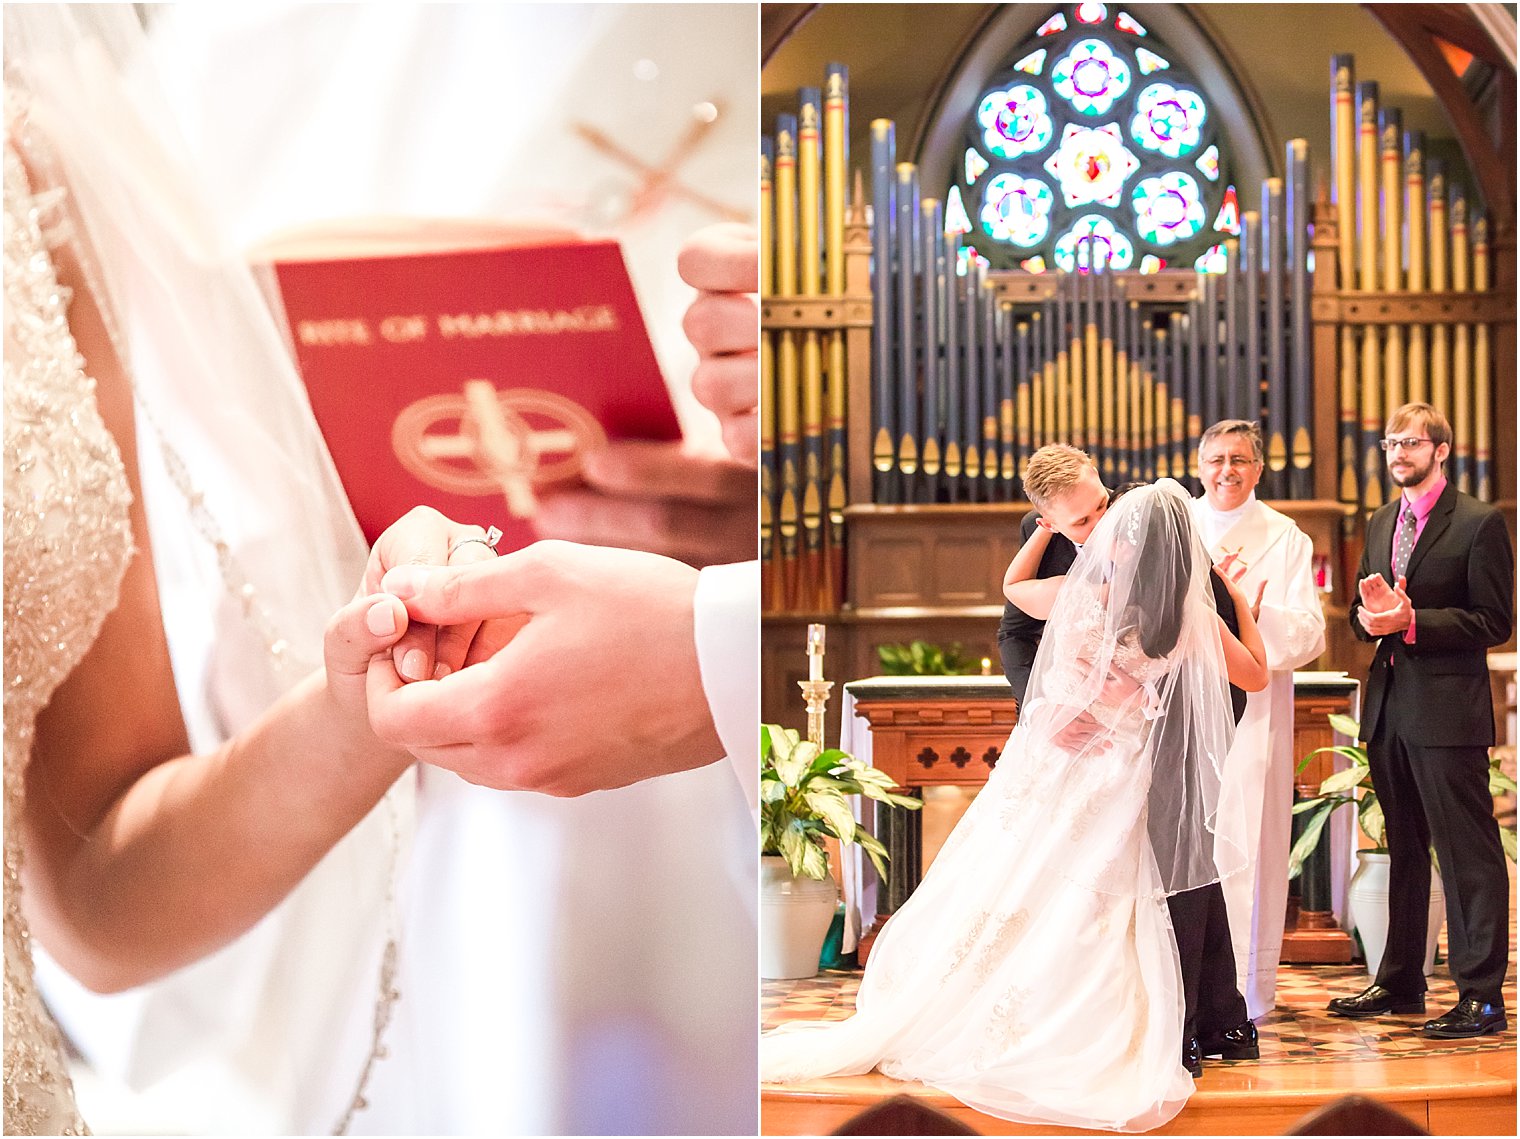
column 874, row 851
column 1343, row 780
column 832, row 808
column 791, row 769
column 1307, row 841
column 815, row 863
column 793, row 840
column 1507, row 840
column 1357, row 756
column 1320, row 801
column 1345, row 725
column 1370, row 815
column 772, row 791
column 1498, row 782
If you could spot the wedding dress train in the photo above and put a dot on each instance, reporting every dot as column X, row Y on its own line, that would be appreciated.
column 1033, row 975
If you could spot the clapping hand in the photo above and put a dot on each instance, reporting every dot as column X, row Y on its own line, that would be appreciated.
column 1384, row 610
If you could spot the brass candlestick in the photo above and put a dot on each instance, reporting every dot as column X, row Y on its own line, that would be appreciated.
column 815, row 689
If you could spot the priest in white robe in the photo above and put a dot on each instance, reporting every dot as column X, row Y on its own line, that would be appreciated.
column 1265, row 552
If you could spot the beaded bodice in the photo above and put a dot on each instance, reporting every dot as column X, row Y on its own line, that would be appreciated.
column 67, row 542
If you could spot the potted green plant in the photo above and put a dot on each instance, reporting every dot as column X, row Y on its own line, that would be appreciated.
column 920, row 658
column 1367, row 896
column 804, row 798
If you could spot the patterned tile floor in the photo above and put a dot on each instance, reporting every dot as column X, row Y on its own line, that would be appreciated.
column 1298, row 1031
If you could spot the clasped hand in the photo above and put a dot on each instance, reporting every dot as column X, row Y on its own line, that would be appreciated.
column 1385, row 609
column 557, row 668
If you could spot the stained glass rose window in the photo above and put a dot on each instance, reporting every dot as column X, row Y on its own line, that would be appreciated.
column 1094, row 141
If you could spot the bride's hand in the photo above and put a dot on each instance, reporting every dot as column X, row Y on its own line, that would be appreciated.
column 425, row 537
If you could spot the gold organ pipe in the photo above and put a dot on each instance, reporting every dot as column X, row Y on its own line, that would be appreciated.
column 1440, row 334
column 1393, row 230
column 1461, row 349
column 1367, row 281
column 835, row 175
column 1343, row 158
column 787, row 364
column 1482, row 371
column 1414, row 213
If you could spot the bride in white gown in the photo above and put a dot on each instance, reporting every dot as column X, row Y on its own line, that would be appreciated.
column 1033, row 975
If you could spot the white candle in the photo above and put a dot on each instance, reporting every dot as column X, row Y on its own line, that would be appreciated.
column 815, row 652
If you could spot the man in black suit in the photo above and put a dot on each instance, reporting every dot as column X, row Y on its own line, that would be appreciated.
column 1428, row 723
column 1069, row 499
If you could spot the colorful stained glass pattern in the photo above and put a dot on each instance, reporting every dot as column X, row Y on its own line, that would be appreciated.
column 1208, row 164
column 976, row 166
column 964, row 257
column 956, row 220
column 1015, row 122
column 1091, row 77
column 1093, row 242
column 1093, row 134
column 1033, row 63
column 1212, row 260
column 1168, row 120
column 1168, row 208
column 1017, row 210
column 1228, row 220
column 1092, row 164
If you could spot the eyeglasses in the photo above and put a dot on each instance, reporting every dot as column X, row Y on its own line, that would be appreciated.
column 1235, row 462
column 1396, row 445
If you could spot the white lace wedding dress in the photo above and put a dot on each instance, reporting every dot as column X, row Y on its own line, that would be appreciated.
column 67, row 542
column 1033, row 975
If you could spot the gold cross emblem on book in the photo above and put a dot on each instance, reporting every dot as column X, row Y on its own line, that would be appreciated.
column 507, row 442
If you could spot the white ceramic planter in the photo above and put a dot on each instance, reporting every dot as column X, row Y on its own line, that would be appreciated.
column 794, row 919
column 1367, row 898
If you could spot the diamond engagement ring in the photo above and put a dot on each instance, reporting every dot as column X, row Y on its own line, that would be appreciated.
column 492, row 536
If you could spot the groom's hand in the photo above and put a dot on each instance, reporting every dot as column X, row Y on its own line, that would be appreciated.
column 590, row 680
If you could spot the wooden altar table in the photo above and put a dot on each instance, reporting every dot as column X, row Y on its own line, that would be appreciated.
column 929, row 731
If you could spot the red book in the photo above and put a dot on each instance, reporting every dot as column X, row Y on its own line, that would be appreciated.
column 468, row 378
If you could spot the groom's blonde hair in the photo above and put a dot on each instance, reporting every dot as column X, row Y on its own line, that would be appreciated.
column 1053, row 470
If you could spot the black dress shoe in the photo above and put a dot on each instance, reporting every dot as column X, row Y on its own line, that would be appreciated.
column 1238, row 1043
column 1471, row 1017
column 1192, row 1057
column 1375, row 1000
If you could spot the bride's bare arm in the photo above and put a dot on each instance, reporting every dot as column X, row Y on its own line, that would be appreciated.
column 1035, row 596
column 1245, row 657
column 141, row 857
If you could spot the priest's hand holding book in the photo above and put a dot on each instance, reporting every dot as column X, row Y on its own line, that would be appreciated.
column 662, row 497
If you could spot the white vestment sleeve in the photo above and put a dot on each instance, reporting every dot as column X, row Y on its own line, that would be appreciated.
column 728, row 653
column 1292, row 622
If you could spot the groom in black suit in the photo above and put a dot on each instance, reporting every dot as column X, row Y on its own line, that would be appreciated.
column 1070, row 498
column 1428, row 723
